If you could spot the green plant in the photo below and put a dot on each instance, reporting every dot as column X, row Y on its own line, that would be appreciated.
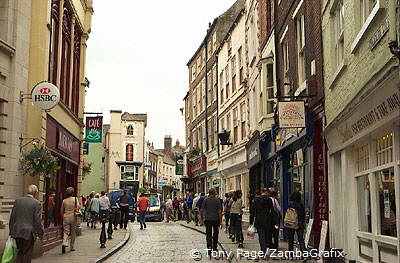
column 194, row 153
column 86, row 168
column 39, row 161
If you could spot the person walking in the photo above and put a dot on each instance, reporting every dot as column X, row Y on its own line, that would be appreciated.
column 199, row 203
column 69, row 208
column 227, row 213
column 195, row 210
column 143, row 206
column 175, row 205
column 236, row 218
column 261, row 218
column 26, row 224
column 94, row 210
column 104, row 211
column 276, row 219
column 123, row 203
column 295, row 203
column 168, row 209
column 189, row 203
column 211, row 210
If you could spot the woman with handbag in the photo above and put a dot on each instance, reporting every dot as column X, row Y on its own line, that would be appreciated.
column 70, row 209
column 236, row 213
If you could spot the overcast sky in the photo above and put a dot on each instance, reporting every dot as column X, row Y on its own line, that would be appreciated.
column 137, row 55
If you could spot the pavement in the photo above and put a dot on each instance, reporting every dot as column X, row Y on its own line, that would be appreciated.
column 87, row 247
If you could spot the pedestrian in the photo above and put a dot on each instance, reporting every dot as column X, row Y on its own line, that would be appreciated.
column 123, row 204
column 69, row 209
column 211, row 210
column 227, row 211
column 143, row 206
column 105, row 206
column 236, row 218
column 175, row 205
column 195, row 210
column 189, row 203
column 296, row 206
column 26, row 224
column 261, row 218
column 87, row 208
column 276, row 219
column 169, row 209
column 94, row 210
column 198, row 206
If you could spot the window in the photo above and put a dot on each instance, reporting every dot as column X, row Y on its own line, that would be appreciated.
column 233, row 69
column 229, row 46
column 384, row 149
column 285, row 51
column 210, row 94
column 129, row 152
column 362, row 158
column 339, row 34
column 215, row 40
column 129, row 130
column 301, row 43
column 228, row 122
column 203, row 93
column 199, row 63
column 194, row 72
column 227, row 81
column 221, row 81
column 235, row 125
column 66, row 55
column 199, row 97
column 387, row 202
column 261, row 105
column 364, row 203
column 76, row 70
column 243, row 120
column 194, row 98
column 210, row 49
column 366, row 7
column 53, row 53
column 270, row 88
column 215, row 87
column 240, row 61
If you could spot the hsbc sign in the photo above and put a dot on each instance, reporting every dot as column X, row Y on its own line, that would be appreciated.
column 45, row 96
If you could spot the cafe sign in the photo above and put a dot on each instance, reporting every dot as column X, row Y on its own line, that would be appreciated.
column 291, row 114
column 94, row 129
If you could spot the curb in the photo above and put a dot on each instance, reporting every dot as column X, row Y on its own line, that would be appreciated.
column 115, row 249
column 202, row 232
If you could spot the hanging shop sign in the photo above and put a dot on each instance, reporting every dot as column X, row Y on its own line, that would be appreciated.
column 94, row 129
column 179, row 167
column 291, row 114
column 45, row 96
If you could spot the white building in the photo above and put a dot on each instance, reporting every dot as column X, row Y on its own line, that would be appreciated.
column 233, row 108
column 125, row 142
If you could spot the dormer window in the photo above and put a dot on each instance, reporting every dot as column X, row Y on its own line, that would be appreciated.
column 129, row 130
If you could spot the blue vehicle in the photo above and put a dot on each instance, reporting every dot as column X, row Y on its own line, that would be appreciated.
column 115, row 194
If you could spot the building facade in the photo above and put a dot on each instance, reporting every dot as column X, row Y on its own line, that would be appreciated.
column 15, row 26
column 362, row 128
column 125, row 142
column 233, row 107
column 59, row 34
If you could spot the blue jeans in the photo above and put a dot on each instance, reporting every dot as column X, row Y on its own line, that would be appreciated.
column 142, row 219
column 264, row 238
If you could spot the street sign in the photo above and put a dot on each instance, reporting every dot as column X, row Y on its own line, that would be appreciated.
column 45, row 96
column 162, row 182
column 94, row 129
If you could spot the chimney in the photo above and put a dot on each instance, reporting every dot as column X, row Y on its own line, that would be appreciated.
column 167, row 144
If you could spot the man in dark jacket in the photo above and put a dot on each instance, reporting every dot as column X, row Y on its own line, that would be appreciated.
column 189, row 203
column 26, row 224
column 295, row 202
column 123, row 203
column 261, row 218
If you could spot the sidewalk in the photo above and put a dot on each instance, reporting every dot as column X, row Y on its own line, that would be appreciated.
column 87, row 247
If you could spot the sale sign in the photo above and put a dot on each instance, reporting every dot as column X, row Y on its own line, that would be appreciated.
column 94, row 129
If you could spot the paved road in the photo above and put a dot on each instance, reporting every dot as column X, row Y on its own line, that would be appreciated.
column 162, row 242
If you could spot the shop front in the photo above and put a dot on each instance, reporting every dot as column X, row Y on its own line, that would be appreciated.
column 199, row 171
column 364, row 175
column 254, row 164
column 62, row 144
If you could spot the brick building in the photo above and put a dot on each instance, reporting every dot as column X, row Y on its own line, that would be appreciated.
column 302, row 166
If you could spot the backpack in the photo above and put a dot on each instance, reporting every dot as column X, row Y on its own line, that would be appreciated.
column 291, row 219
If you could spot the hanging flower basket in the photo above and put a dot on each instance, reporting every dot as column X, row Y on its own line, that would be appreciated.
column 86, row 168
column 39, row 161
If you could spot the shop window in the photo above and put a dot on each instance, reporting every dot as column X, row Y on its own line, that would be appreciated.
column 129, row 152
column 387, row 202
column 129, row 130
column 50, row 202
column 362, row 158
column 364, row 203
column 384, row 149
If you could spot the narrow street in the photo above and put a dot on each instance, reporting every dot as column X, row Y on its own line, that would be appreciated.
column 161, row 242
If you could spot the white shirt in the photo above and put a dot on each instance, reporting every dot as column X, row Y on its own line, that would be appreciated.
column 104, row 203
column 195, row 202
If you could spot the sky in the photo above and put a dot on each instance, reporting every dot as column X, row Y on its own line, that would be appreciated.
column 137, row 55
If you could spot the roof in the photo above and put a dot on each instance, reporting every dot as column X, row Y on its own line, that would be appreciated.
column 126, row 116
column 168, row 160
column 232, row 27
